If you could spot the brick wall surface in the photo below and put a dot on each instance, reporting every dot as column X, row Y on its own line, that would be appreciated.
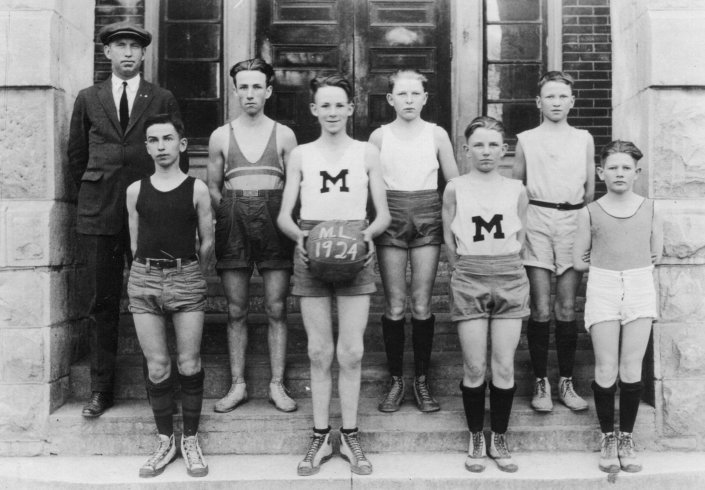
column 587, row 56
column 107, row 12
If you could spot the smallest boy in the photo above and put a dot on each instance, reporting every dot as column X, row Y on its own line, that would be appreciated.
column 556, row 162
column 166, row 211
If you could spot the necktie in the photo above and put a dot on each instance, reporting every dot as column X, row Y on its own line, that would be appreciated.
column 124, row 111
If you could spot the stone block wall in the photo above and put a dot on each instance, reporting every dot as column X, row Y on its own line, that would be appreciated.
column 659, row 103
column 40, row 273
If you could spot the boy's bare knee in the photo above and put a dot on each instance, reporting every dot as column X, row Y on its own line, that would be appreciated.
column 159, row 368
column 420, row 309
column 236, row 315
column 475, row 373
column 320, row 355
column 395, row 309
column 275, row 310
column 189, row 364
column 606, row 374
column 350, row 356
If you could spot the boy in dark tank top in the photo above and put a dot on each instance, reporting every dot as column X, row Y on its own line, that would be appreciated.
column 166, row 212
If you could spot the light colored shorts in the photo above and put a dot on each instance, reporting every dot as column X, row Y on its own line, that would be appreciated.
column 550, row 234
column 306, row 284
column 168, row 290
column 485, row 286
column 622, row 296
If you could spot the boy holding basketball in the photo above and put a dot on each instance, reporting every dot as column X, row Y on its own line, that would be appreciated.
column 556, row 163
column 332, row 177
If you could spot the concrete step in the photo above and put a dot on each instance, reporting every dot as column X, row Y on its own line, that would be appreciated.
column 445, row 373
column 215, row 340
column 257, row 428
column 393, row 471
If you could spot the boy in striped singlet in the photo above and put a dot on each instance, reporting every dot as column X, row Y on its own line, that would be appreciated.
column 556, row 163
column 247, row 163
column 620, row 237
column 483, row 225
column 333, row 176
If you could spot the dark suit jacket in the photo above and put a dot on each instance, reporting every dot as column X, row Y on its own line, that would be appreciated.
column 103, row 161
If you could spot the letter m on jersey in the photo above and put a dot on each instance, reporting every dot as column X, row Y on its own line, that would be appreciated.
column 480, row 225
column 334, row 180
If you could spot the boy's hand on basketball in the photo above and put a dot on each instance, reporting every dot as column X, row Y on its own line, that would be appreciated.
column 301, row 246
column 367, row 236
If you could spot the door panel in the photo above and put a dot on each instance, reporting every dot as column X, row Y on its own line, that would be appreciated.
column 365, row 40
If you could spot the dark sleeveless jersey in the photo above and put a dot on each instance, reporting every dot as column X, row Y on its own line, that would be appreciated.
column 237, row 165
column 167, row 221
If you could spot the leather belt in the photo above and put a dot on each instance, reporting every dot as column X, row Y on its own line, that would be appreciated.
column 254, row 192
column 166, row 263
column 561, row 206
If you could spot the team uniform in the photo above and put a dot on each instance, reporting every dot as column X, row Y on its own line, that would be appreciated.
column 555, row 184
column 488, row 280
column 410, row 173
column 620, row 283
column 332, row 191
column 246, row 232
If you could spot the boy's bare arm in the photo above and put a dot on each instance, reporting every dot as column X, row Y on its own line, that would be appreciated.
column 583, row 242
column 656, row 237
column 522, row 205
column 205, row 223
column 519, row 169
column 288, row 142
column 291, row 193
column 448, row 214
column 377, row 193
column 376, row 138
column 133, row 217
column 216, row 164
column 590, row 171
column 446, row 157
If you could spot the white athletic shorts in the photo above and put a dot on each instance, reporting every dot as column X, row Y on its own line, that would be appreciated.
column 550, row 234
column 622, row 296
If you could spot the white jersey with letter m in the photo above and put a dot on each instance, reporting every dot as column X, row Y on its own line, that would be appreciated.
column 333, row 190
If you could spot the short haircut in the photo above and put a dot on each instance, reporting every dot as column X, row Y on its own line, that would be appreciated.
column 407, row 73
column 619, row 146
column 166, row 118
column 555, row 76
column 255, row 64
column 335, row 80
column 485, row 122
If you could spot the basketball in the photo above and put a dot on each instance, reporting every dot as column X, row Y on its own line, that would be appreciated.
column 336, row 250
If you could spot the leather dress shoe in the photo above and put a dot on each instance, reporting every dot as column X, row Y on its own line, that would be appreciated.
column 100, row 401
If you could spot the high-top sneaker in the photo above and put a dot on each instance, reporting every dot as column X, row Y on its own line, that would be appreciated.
column 477, row 453
column 193, row 457
column 319, row 451
column 279, row 397
column 500, row 453
column 541, row 401
column 628, row 460
column 160, row 458
column 609, row 461
column 351, row 451
column 422, row 394
column 568, row 396
column 394, row 397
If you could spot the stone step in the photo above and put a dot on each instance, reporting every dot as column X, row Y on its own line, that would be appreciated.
column 445, row 373
column 215, row 335
column 257, row 428
column 395, row 471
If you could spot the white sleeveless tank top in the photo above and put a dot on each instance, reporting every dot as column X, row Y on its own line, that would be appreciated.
column 486, row 219
column 555, row 168
column 409, row 165
column 333, row 190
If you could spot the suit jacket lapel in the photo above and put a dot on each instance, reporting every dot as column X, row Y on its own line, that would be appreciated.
column 105, row 96
column 142, row 100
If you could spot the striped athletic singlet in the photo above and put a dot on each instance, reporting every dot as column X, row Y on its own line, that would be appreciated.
column 265, row 173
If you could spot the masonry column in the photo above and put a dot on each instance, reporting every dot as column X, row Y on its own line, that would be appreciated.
column 659, row 103
column 46, row 57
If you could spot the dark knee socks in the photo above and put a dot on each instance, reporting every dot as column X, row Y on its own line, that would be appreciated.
column 161, row 399
column 629, row 398
column 422, row 336
column 191, row 401
column 393, row 334
column 604, row 406
column 537, row 335
column 500, row 407
column 566, row 343
column 474, row 405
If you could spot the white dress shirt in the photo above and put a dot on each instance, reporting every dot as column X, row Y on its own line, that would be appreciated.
column 132, row 86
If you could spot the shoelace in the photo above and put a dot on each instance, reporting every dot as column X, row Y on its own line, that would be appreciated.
column 192, row 454
column 626, row 444
column 355, row 447
column 316, row 443
column 423, row 391
column 394, row 391
column 609, row 446
column 568, row 390
column 477, row 441
column 541, row 387
column 159, row 452
column 500, row 444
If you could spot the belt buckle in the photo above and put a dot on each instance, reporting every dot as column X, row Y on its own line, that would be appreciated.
column 250, row 193
column 562, row 206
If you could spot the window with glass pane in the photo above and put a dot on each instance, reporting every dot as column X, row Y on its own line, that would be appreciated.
column 514, row 59
column 190, row 63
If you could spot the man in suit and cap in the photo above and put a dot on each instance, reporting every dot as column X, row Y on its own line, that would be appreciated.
column 107, row 153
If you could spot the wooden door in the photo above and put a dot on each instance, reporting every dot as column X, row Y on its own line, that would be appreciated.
column 365, row 41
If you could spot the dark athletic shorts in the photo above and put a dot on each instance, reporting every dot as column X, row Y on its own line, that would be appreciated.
column 161, row 291
column 486, row 286
column 306, row 284
column 416, row 219
column 246, row 232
